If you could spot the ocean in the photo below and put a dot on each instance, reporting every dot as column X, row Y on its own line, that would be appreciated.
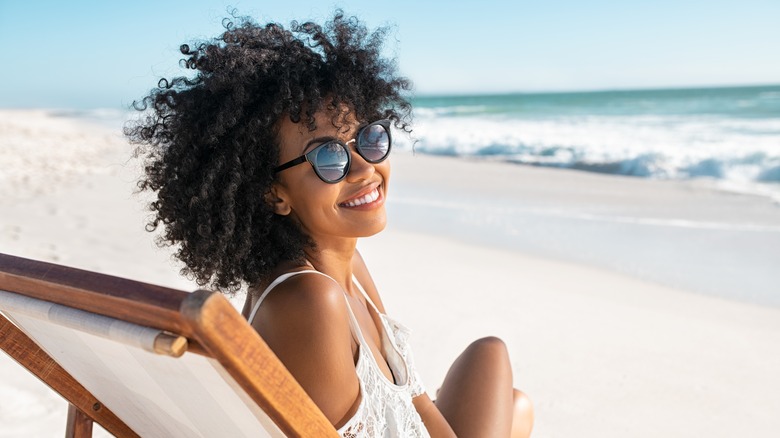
column 730, row 136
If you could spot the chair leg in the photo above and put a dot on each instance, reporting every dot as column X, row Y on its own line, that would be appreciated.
column 79, row 424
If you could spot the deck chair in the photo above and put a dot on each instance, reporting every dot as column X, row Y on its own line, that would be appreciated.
column 144, row 360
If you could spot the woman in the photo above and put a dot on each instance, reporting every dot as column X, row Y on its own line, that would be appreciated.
column 269, row 163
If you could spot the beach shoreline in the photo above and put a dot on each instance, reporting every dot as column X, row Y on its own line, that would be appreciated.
column 562, row 265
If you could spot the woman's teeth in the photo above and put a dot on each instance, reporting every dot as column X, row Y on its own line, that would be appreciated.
column 371, row 197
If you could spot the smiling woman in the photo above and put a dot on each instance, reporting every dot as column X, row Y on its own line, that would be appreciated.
column 212, row 139
column 268, row 165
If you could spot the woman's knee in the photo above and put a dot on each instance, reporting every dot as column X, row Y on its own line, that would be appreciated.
column 491, row 346
column 523, row 415
column 485, row 356
column 523, row 404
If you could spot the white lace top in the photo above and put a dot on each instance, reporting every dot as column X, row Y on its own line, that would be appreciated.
column 385, row 408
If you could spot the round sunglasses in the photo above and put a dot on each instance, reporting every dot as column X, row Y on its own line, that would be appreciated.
column 331, row 160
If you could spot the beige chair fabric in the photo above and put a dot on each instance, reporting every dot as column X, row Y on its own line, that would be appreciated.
column 156, row 395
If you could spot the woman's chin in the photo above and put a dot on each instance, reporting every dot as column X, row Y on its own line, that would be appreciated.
column 376, row 227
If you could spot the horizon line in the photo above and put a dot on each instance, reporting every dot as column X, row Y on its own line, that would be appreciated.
column 590, row 90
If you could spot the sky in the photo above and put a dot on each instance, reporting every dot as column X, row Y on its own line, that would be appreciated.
column 91, row 54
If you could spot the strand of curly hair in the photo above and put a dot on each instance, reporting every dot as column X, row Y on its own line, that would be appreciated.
column 210, row 140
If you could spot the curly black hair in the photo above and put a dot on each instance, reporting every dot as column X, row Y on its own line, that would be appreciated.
column 210, row 140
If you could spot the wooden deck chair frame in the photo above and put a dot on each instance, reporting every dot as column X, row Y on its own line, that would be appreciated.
column 210, row 324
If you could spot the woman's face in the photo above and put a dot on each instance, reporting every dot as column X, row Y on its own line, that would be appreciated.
column 324, row 210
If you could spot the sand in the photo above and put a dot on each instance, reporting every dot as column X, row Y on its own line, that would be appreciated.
column 605, row 342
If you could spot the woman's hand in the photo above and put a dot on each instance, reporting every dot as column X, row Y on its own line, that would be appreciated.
column 433, row 419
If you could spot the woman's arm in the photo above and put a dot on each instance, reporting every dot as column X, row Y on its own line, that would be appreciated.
column 433, row 419
column 305, row 322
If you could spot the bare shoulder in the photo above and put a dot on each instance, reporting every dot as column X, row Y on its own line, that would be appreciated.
column 364, row 277
column 307, row 306
column 303, row 297
column 305, row 322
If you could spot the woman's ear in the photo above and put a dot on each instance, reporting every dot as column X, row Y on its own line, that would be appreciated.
column 276, row 199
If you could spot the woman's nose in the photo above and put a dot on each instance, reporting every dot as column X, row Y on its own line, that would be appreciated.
column 360, row 169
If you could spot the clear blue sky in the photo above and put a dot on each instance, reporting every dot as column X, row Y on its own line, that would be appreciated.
column 82, row 53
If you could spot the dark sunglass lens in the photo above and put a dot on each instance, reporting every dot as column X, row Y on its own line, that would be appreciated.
column 331, row 161
column 374, row 142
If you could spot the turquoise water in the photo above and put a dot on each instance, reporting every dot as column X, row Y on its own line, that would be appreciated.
column 728, row 135
column 738, row 102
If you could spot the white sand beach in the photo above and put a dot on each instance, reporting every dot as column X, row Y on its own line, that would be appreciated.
column 631, row 307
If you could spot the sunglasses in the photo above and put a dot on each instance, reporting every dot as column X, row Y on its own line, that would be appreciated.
column 331, row 160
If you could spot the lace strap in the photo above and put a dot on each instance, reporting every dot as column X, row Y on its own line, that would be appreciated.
column 353, row 322
column 273, row 284
column 363, row 291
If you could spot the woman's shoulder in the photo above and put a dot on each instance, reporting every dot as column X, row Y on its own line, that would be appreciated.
column 307, row 298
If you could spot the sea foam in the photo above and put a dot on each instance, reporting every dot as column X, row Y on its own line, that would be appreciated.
column 720, row 134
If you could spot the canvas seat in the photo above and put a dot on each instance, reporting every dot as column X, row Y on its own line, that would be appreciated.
column 144, row 360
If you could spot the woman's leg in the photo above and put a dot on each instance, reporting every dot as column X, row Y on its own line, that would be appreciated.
column 477, row 397
column 523, row 416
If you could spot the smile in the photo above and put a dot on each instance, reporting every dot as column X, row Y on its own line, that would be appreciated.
column 369, row 198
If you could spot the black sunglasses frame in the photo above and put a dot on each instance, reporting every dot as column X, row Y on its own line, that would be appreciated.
column 309, row 156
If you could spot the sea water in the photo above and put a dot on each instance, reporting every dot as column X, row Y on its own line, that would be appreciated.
column 728, row 135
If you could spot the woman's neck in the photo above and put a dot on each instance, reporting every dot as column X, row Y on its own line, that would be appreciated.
column 334, row 259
